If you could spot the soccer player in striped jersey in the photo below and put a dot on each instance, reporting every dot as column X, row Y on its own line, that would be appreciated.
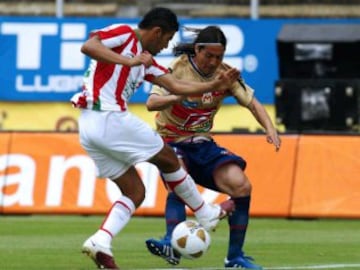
column 185, row 122
column 121, row 59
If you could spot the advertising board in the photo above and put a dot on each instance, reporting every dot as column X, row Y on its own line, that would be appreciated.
column 41, row 58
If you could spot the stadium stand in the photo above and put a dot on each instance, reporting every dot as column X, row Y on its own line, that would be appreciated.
column 48, row 8
column 187, row 8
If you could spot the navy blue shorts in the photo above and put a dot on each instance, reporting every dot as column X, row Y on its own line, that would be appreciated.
column 202, row 159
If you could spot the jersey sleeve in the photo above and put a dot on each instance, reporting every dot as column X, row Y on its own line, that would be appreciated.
column 114, row 35
column 173, row 69
column 158, row 90
column 239, row 89
column 242, row 92
column 155, row 70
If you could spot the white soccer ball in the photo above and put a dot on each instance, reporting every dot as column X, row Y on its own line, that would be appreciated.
column 190, row 239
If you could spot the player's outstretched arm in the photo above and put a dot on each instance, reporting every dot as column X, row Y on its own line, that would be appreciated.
column 264, row 120
column 157, row 102
column 182, row 87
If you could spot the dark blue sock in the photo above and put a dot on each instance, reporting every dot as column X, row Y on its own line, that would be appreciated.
column 174, row 213
column 238, row 223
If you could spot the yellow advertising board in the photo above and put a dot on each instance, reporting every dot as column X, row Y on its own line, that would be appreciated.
column 61, row 116
column 35, row 116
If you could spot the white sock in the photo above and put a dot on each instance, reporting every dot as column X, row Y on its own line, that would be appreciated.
column 204, row 211
column 184, row 186
column 117, row 217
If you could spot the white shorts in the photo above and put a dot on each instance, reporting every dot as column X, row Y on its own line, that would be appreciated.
column 117, row 140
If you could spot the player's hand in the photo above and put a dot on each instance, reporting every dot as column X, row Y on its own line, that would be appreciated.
column 226, row 78
column 144, row 58
column 179, row 98
column 273, row 138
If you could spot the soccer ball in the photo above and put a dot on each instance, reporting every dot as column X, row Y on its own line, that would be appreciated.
column 190, row 239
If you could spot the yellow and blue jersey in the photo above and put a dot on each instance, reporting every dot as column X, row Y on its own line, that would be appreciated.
column 194, row 116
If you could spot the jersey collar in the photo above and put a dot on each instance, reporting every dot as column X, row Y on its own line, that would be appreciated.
column 197, row 69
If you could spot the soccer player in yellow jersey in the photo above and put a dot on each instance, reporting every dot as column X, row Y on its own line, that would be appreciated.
column 185, row 123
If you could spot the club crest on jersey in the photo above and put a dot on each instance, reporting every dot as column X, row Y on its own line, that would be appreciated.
column 207, row 98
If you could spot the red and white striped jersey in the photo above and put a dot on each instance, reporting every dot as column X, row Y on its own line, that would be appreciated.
column 108, row 87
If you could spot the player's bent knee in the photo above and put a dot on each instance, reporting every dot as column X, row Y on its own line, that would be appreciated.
column 237, row 189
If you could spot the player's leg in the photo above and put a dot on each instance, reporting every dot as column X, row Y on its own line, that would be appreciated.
column 230, row 179
column 133, row 193
column 216, row 168
column 174, row 214
column 180, row 182
column 105, row 137
column 98, row 246
column 175, row 211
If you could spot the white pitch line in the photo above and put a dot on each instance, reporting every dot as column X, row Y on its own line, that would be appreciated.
column 307, row 267
column 327, row 266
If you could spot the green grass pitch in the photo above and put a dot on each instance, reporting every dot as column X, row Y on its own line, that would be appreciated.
column 54, row 242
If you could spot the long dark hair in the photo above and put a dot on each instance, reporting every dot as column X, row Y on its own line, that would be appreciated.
column 208, row 35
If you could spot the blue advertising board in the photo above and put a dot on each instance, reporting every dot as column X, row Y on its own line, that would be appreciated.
column 41, row 58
